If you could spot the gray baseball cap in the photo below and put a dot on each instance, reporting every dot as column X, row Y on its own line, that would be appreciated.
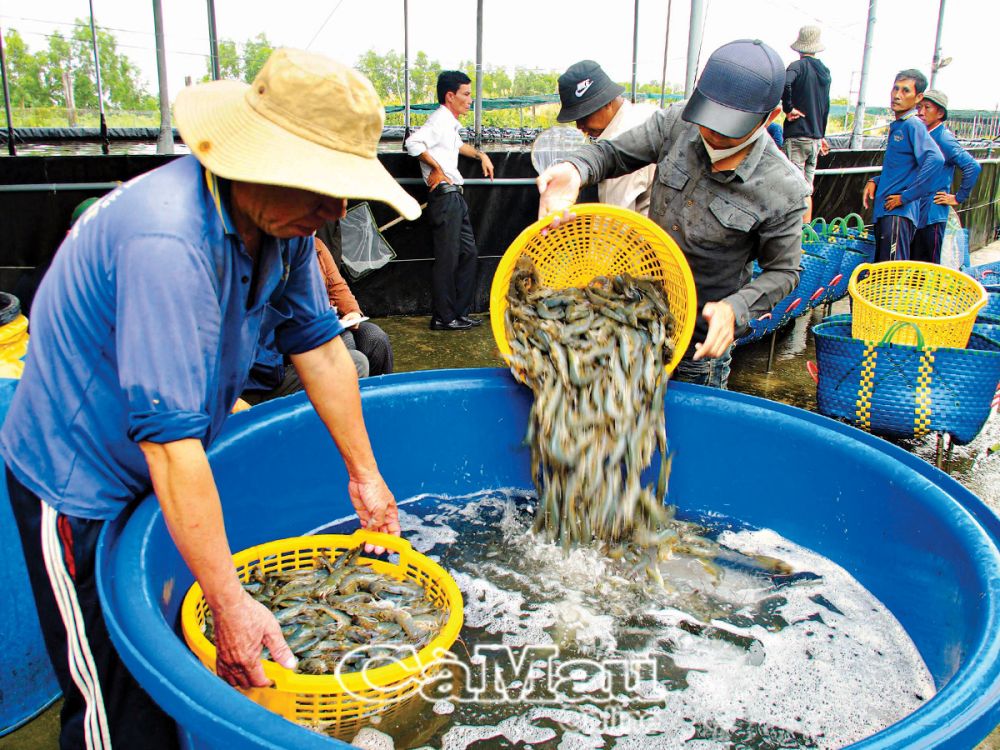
column 741, row 82
column 583, row 89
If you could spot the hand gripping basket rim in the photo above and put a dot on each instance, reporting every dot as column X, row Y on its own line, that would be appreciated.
column 352, row 683
column 663, row 247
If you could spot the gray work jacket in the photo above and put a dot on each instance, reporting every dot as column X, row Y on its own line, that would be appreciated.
column 720, row 220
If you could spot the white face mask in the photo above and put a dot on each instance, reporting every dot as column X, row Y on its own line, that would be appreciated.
column 718, row 154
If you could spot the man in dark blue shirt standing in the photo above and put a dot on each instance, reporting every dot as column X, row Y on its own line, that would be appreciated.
column 933, row 111
column 908, row 167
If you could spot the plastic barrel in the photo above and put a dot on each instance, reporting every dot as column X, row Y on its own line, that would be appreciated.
column 918, row 540
column 27, row 683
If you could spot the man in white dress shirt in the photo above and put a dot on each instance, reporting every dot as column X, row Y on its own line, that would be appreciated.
column 595, row 103
column 437, row 144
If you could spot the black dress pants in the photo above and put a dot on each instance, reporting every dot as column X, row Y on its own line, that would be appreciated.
column 927, row 243
column 455, row 255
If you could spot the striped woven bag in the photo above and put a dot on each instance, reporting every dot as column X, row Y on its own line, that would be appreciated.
column 905, row 391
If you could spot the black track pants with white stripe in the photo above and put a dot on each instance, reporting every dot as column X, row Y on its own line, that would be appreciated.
column 103, row 705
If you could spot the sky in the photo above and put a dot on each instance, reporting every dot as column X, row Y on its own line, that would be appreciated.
column 553, row 34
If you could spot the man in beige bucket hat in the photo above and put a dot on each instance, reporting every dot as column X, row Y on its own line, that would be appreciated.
column 806, row 103
column 143, row 332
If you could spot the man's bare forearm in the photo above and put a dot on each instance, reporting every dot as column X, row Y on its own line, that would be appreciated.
column 429, row 160
column 185, row 488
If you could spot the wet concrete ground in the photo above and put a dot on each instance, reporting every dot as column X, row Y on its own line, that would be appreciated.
column 416, row 347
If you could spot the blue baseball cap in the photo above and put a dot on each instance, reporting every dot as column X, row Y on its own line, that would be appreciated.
column 741, row 82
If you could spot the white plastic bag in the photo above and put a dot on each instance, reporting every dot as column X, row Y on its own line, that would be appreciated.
column 955, row 244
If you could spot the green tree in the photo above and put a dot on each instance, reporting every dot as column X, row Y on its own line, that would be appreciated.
column 230, row 67
column 255, row 54
column 24, row 73
column 120, row 78
column 423, row 79
column 387, row 76
column 385, row 71
column 36, row 78
column 235, row 65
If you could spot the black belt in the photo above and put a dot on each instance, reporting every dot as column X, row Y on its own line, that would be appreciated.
column 444, row 188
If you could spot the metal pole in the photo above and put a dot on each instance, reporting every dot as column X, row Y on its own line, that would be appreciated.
column 105, row 143
column 666, row 46
column 11, row 149
column 847, row 106
column 406, row 71
column 859, row 114
column 165, row 140
column 694, row 45
column 213, row 42
column 635, row 48
column 770, row 352
column 937, row 45
column 479, row 74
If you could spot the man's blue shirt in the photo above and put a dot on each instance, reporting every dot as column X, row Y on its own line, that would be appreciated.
column 955, row 157
column 144, row 329
column 910, row 161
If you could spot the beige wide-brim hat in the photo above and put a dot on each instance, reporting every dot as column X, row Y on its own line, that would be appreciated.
column 808, row 42
column 305, row 122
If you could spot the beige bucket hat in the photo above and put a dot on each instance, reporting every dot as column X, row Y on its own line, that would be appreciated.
column 808, row 42
column 305, row 122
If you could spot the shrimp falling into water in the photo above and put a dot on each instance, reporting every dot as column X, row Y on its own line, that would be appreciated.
column 595, row 359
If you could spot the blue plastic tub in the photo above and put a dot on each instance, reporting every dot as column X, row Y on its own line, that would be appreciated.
column 918, row 540
column 27, row 683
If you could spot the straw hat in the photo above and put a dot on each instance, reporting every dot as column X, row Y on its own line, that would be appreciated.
column 306, row 122
column 808, row 42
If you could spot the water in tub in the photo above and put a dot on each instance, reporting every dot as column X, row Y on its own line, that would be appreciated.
column 570, row 651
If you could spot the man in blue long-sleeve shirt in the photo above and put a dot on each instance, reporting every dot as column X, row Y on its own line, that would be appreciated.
column 908, row 167
column 142, row 335
column 933, row 110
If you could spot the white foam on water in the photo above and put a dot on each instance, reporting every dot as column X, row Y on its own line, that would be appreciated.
column 497, row 611
column 833, row 676
column 373, row 739
column 444, row 707
column 516, row 730
column 424, row 536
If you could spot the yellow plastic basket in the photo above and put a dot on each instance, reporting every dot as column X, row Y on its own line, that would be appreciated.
column 13, row 347
column 602, row 241
column 940, row 301
column 338, row 704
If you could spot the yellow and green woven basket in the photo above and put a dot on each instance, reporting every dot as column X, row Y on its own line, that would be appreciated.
column 941, row 302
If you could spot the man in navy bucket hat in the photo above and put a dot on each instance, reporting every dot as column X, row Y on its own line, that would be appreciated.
column 723, row 191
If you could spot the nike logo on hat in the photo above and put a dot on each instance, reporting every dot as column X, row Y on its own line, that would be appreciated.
column 582, row 86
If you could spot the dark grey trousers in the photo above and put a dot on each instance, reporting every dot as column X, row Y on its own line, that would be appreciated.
column 373, row 343
column 455, row 255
